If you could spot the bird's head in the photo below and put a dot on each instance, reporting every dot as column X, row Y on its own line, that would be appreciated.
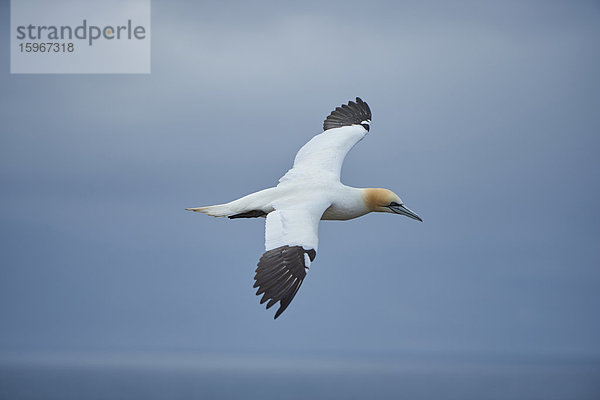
column 384, row 200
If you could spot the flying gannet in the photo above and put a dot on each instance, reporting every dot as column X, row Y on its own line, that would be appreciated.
column 307, row 193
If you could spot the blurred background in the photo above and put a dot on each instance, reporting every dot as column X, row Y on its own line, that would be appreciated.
column 485, row 121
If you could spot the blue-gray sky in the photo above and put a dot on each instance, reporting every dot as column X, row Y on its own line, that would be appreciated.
column 485, row 122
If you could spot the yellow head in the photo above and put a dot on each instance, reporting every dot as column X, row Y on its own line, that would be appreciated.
column 384, row 200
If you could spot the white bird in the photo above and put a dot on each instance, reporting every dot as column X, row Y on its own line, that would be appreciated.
column 309, row 192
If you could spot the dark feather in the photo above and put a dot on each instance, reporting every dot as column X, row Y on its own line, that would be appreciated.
column 249, row 214
column 280, row 273
column 352, row 113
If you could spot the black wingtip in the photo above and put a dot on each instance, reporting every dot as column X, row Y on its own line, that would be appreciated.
column 279, row 311
column 353, row 113
column 280, row 274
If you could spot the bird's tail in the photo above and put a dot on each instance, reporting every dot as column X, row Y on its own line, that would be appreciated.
column 256, row 204
column 219, row 210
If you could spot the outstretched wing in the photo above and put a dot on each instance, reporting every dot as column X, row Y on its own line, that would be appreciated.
column 324, row 154
column 291, row 241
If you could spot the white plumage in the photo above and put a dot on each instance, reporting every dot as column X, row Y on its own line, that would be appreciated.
column 321, row 159
column 310, row 191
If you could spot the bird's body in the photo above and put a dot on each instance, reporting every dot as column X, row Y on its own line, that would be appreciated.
column 309, row 192
column 345, row 202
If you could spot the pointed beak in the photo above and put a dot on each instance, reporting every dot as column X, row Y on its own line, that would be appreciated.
column 402, row 210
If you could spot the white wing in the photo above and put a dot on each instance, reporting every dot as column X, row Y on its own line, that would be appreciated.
column 322, row 157
column 291, row 234
column 291, row 241
column 324, row 154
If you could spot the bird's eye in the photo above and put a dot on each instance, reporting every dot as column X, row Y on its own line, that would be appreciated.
column 393, row 204
column 366, row 126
